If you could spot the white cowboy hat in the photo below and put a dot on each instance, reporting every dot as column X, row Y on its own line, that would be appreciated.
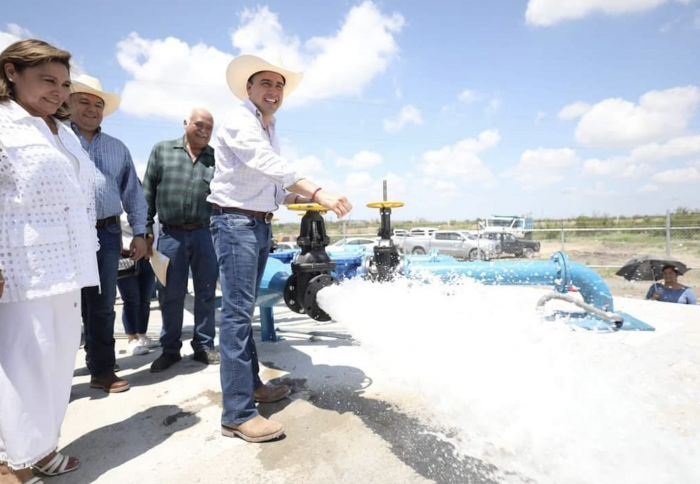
column 242, row 67
column 92, row 85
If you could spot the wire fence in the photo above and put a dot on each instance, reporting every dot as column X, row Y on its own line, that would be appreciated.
column 607, row 246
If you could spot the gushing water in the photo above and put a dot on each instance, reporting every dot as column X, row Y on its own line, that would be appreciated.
column 527, row 394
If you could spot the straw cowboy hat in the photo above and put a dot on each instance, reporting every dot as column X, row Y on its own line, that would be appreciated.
column 242, row 67
column 92, row 85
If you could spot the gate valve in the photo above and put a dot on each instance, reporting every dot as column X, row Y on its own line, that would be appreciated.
column 312, row 267
column 386, row 260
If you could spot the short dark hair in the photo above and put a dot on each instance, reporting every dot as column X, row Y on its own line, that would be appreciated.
column 669, row 266
column 250, row 79
column 30, row 53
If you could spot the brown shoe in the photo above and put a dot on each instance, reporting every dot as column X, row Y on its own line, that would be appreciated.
column 257, row 429
column 271, row 393
column 109, row 383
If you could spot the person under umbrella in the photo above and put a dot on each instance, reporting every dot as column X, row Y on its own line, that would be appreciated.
column 671, row 290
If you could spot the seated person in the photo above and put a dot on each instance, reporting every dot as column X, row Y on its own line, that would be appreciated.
column 671, row 290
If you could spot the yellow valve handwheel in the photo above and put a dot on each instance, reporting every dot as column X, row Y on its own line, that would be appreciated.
column 307, row 207
column 385, row 204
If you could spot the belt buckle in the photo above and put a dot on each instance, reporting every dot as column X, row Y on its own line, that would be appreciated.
column 268, row 217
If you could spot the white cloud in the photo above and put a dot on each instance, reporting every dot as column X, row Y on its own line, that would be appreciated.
column 442, row 188
column 494, row 106
column 659, row 115
column 308, row 166
column 461, row 160
column 13, row 34
column 140, row 165
column 409, row 115
column 170, row 76
column 361, row 161
column 543, row 167
column 678, row 175
column 598, row 191
column 649, row 188
column 616, row 167
column 396, row 186
column 573, row 111
column 468, row 96
column 637, row 163
column 675, row 148
column 360, row 181
column 550, row 12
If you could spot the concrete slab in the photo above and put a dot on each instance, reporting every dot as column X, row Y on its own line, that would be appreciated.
column 346, row 420
column 343, row 422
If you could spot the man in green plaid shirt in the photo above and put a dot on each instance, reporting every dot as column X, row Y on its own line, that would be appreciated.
column 176, row 186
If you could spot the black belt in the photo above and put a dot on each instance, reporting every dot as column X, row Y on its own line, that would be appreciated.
column 264, row 216
column 187, row 227
column 103, row 222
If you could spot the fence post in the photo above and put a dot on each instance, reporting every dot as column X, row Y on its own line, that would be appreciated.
column 563, row 249
column 668, row 232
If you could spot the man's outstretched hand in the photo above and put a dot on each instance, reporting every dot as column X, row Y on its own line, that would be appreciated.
column 339, row 204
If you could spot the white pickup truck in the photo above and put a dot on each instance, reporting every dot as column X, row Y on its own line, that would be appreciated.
column 458, row 244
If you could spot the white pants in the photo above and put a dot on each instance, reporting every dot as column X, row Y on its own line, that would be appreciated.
column 38, row 343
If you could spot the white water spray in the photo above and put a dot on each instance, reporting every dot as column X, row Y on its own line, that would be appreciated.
column 527, row 394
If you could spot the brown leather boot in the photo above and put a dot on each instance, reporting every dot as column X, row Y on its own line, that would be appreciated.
column 271, row 393
column 109, row 383
column 257, row 429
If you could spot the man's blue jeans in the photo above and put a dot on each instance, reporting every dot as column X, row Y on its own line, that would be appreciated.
column 242, row 244
column 98, row 304
column 188, row 248
column 136, row 294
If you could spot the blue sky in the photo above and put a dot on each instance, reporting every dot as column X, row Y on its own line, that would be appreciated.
column 544, row 107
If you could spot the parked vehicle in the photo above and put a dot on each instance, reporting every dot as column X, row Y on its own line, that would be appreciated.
column 285, row 246
column 511, row 244
column 419, row 231
column 356, row 241
column 510, row 224
column 461, row 245
column 290, row 239
column 401, row 232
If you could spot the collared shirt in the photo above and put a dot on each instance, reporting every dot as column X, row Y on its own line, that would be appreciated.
column 250, row 173
column 116, row 182
column 176, row 187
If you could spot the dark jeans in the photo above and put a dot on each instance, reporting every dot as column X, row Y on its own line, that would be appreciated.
column 136, row 293
column 98, row 304
column 188, row 248
column 242, row 245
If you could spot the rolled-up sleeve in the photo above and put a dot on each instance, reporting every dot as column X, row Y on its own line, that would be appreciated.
column 243, row 136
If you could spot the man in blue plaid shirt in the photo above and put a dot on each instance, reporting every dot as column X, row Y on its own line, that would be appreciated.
column 117, row 188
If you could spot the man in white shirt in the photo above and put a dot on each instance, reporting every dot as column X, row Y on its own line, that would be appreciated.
column 251, row 180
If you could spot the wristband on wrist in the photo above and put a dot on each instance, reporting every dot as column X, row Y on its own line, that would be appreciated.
column 296, row 199
column 313, row 197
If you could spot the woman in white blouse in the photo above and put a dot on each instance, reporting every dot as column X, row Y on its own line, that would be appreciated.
column 47, row 254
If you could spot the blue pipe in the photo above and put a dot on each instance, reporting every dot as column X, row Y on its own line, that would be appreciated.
column 558, row 272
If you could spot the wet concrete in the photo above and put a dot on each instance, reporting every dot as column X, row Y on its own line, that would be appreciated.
column 342, row 422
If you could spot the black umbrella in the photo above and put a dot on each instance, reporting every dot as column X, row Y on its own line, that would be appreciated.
column 649, row 267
